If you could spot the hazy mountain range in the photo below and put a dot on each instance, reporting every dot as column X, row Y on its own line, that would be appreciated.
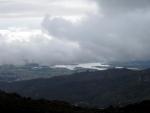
column 29, row 71
column 9, row 73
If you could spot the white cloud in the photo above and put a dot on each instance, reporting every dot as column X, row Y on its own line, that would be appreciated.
column 17, row 45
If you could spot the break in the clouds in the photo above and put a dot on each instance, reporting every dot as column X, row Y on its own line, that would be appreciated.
column 76, row 31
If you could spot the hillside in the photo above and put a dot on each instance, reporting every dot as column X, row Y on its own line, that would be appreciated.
column 13, row 103
column 16, row 104
column 99, row 88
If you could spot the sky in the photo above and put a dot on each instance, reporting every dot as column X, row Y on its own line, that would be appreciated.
column 74, row 31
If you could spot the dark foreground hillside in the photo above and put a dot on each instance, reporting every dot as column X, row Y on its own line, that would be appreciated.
column 99, row 88
column 13, row 103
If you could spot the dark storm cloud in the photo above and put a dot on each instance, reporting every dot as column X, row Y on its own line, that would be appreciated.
column 121, row 34
column 121, row 6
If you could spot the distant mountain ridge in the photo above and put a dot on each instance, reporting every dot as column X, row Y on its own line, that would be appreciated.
column 10, row 73
column 132, row 64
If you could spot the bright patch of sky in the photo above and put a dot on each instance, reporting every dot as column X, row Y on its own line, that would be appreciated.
column 29, row 13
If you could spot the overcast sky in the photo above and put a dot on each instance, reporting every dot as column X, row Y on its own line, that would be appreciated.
column 74, row 31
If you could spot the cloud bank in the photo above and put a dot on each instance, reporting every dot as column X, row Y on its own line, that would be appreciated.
column 116, row 30
column 20, row 45
column 120, row 32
